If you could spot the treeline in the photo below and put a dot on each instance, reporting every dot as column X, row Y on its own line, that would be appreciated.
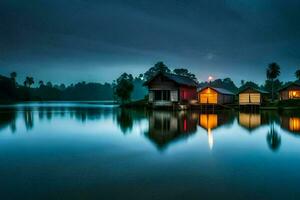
column 11, row 90
column 124, row 88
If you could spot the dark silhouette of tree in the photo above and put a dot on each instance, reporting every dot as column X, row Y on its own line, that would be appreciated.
column 273, row 138
column 226, row 83
column 185, row 72
column 158, row 67
column 49, row 84
column 13, row 76
column 273, row 71
column 276, row 84
column 41, row 83
column 297, row 74
column 123, row 87
column 249, row 84
column 28, row 81
column 242, row 82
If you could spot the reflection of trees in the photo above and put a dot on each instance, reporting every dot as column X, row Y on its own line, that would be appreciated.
column 125, row 120
column 8, row 118
column 28, row 118
column 273, row 138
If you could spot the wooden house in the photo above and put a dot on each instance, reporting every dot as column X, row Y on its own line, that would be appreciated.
column 169, row 89
column 213, row 95
column 252, row 96
column 290, row 91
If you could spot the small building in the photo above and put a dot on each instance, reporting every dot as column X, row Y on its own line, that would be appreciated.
column 290, row 91
column 213, row 95
column 252, row 96
column 167, row 89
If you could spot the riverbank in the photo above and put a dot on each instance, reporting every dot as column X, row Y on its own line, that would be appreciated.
column 279, row 105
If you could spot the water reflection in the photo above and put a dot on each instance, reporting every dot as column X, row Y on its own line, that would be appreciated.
column 164, row 127
column 273, row 138
column 291, row 122
column 212, row 121
column 8, row 119
column 167, row 127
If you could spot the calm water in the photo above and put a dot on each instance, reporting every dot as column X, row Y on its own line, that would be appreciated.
column 92, row 151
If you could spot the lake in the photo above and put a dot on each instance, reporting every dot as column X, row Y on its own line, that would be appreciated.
column 98, row 151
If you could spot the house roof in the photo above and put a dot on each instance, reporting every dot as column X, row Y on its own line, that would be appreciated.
column 253, row 88
column 296, row 83
column 182, row 80
column 219, row 90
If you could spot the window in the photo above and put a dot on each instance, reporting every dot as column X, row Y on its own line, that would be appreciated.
column 162, row 95
column 294, row 94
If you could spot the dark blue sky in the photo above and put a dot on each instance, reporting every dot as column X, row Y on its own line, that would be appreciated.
column 94, row 40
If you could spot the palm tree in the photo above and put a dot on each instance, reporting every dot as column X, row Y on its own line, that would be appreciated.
column 297, row 74
column 28, row 81
column 273, row 71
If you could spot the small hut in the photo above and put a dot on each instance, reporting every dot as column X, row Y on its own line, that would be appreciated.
column 213, row 95
column 290, row 91
column 250, row 96
column 167, row 89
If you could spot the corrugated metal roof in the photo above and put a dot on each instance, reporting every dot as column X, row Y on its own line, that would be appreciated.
column 219, row 90
column 182, row 80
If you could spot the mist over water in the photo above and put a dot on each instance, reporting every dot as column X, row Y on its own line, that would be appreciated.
column 89, row 150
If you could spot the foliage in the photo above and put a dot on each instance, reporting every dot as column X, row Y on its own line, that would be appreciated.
column 158, row 67
column 297, row 74
column 249, row 84
column 226, row 83
column 123, row 87
column 273, row 71
column 28, row 81
column 270, row 86
column 185, row 72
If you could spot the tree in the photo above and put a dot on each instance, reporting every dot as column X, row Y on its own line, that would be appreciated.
column 297, row 74
column 49, row 84
column 41, row 83
column 249, row 84
column 273, row 71
column 28, row 81
column 13, row 76
column 185, row 72
column 158, row 67
column 242, row 82
column 123, row 87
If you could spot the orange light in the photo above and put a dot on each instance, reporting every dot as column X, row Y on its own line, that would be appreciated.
column 294, row 93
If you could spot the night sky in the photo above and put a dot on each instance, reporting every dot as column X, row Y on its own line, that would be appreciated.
column 93, row 40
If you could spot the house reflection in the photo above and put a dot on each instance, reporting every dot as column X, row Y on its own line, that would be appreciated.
column 167, row 127
column 291, row 123
column 212, row 121
column 250, row 121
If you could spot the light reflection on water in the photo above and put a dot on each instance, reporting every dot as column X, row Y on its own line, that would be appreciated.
column 79, row 150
